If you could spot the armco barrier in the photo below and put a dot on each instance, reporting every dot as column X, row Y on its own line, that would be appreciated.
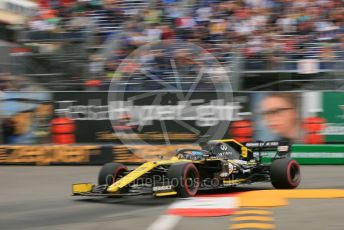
column 100, row 154
column 55, row 154
column 83, row 154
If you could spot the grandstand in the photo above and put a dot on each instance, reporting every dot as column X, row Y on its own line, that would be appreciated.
column 263, row 44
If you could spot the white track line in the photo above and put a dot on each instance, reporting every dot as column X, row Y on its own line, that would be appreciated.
column 206, row 203
column 165, row 222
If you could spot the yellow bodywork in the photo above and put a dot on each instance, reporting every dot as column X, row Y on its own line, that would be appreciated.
column 138, row 172
column 234, row 181
column 148, row 166
column 81, row 188
column 166, row 193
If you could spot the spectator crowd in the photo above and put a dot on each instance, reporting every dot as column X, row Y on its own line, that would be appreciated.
column 267, row 34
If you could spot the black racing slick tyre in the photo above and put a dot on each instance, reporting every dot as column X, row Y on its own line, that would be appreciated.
column 285, row 173
column 110, row 172
column 184, row 177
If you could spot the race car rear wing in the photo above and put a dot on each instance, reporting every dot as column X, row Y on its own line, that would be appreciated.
column 282, row 149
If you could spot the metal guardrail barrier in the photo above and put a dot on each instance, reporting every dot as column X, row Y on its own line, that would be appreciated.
column 31, row 36
column 265, row 86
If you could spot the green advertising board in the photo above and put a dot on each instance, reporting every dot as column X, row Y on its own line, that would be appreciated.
column 314, row 154
column 333, row 112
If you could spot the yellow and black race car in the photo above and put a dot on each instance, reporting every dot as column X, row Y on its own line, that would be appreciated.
column 218, row 164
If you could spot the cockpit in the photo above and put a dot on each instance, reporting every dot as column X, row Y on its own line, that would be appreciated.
column 215, row 149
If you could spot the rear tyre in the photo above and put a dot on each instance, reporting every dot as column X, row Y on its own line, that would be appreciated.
column 111, row 172
column 185, row 178
column 285, row 173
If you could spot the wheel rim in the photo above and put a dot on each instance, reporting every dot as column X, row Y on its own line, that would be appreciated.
column 191, row 181
column 294, row 173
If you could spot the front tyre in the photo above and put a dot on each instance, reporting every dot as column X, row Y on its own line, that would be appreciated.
column 111, row 172
column 185, row 178
column 285, row 173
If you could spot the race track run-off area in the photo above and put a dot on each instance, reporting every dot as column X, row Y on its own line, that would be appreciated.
column 39, row 197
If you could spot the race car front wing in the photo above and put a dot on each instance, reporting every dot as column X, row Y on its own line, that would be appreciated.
column 89, row 189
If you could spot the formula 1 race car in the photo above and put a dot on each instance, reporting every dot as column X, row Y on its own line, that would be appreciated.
column 217, row 164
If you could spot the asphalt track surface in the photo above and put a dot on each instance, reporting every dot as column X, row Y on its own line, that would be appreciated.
column 38, row 197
